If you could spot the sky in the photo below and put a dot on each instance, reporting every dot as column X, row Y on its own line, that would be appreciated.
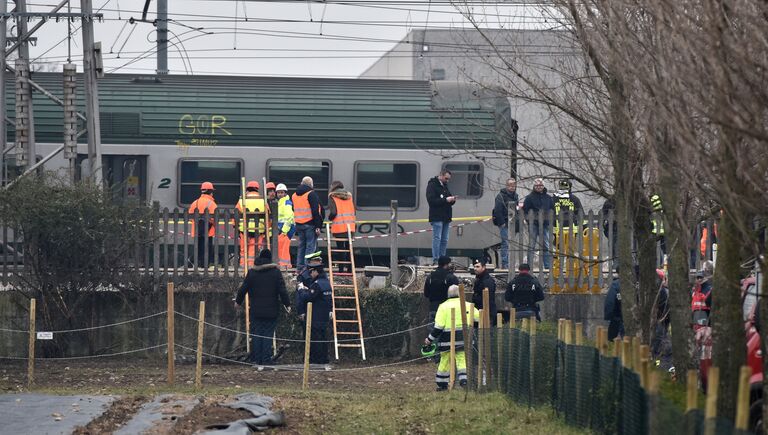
column 332, row 38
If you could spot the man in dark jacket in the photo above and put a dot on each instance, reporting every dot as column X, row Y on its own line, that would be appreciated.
column 506, row 196
column 612, row 309
column 484, row 280
column 524, row 292
column 266, row 291
column 535, row 203
column 441, row 203
column 437, row 283
column 308, row 222
column 319, row 293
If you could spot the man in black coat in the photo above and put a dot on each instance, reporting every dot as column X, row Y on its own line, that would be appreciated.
column 441, row 203
column 484, row 280
column 506, row 196
column 266, row 291
column 538, row 202
column 437, row 283
column 524, row 292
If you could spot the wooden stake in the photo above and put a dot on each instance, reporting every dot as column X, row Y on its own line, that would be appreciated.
column 604, row 336
column 644, row 371
column 171, row 330
column 524, row 324
column 599, row 340
column 626, row 353
column 532, row 366
column 579, row 334
column 561, row 329
column 452, row 369
column 466, row 327
column 480, row 350
column 617, row 347
column 200, row 330
column 636, row 354
column 307, row 340
column 691, row 388
column 31, row 349
column 653, row 383
column 499, row 348
column 247, row 324
column 567, row 335
column 487, row 322
column 643, row 353
column 512, row 318
column 710, row 409
column 742, row 399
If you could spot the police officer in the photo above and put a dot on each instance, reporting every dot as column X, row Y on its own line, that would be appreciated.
column 319, row 293
column 569, row 205
column 524, row 292
column 612, row 309
column 437, row 284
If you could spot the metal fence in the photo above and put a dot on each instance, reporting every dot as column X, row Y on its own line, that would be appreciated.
column 581, row 247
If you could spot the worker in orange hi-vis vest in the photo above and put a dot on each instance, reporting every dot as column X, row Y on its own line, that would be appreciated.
column 254, row 204
column 308, row 216
column 341, row 213
column 202, row 204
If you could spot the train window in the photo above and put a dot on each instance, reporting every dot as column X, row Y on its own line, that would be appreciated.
column 290, row 173
column 377, row 183
column 466, row 179
column 224, row 174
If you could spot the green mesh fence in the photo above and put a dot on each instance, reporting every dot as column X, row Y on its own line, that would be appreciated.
column 584, row 388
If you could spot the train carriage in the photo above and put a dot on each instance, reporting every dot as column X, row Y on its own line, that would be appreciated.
column 162, row 136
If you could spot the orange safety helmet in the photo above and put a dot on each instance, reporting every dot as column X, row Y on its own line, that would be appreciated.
column 252, row 185
column 207, row 186
column 270, row 185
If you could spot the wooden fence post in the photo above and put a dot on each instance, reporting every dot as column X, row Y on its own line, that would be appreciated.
column 710, row 409
column 512, row 325
column 643, row 364
column 452, row 368
column 480, row 350
column 307, row 340
column 171, row 334
column 499, row 348
column 200, row 331
column 579, row 334
column 31, row 349
column 691, row 402
column 654, row 423
column 636, row 358
column 742, row 399
column 626, row 353
column 487, row 322
column 532, row 372
column 466, row 328
column 247, row 321
column 617, row 348
column 599, row 340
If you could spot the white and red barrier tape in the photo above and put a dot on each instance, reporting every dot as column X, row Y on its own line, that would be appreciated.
column 376, row 236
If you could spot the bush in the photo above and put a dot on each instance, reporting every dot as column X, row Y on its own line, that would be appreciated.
column 384, row 311
column 75, row 240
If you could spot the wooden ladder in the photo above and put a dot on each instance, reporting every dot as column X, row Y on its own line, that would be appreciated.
column 347, row 323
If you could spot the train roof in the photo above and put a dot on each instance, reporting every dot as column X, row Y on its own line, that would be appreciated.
column 279, row 112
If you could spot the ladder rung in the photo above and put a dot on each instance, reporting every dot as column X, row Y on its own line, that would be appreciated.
column 340, row 250
column 345, row 309
column 346, row 321
column 344, row 297
column 342, row 274
column 341, row 262
column 339, row 240
column 348, row 345
column 347, row 333
column 343, row 285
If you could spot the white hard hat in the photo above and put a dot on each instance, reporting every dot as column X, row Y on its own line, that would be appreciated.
column 281, row 187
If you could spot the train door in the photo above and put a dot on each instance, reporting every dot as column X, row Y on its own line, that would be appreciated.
column 125, row 176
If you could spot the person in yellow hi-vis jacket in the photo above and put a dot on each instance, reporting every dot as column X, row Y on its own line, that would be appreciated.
column 442, row 335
